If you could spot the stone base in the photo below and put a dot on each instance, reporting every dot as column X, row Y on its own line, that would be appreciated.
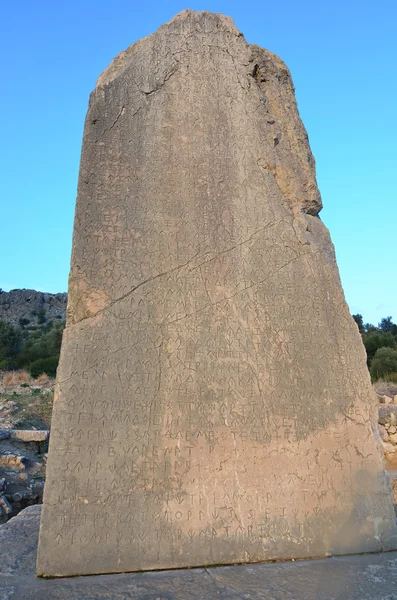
column 365, row 577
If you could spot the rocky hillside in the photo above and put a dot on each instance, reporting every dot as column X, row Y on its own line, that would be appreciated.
column 35, row 308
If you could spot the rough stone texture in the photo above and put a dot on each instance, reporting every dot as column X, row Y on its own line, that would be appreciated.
column 213, row 403
column 371, row 577
column 388, row 416
column 29, row 435
column 27, row 304
column 22, row 470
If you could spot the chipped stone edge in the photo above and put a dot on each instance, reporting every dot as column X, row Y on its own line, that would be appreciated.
column 121, row 62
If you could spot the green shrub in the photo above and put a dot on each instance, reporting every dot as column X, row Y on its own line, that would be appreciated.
column 44, row 365
column 10, row 341
column 384, row 364
column 7, row 365
column 41, row 316
column 359, row 321
column 375, row 340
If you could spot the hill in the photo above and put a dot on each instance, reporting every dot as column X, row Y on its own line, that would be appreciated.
column 31, row 308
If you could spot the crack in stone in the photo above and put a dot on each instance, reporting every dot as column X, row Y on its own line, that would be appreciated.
column 135, row 288
column 272, row 223
column 256, row 283
column 159, row 85
column 121, row 112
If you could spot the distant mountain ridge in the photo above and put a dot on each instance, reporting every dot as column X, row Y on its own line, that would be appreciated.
column 34, row 308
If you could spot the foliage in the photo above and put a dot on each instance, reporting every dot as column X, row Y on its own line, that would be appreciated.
column 20, row 347
column 360, row 323
column 44, row 365
column 375, row 340
column 10, row 344
column 41, row 316
column 381, row 346
column 384, row 363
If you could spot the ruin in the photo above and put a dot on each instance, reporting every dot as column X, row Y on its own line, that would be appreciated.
column 213, row 404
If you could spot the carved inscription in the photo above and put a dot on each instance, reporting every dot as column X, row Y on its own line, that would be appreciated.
column 212, row 399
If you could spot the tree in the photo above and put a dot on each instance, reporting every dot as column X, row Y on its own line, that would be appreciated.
column 375, row 340
column 360, row 323
column 386, row 324
column 41, row 316
column 10, row 344
column 384, row 363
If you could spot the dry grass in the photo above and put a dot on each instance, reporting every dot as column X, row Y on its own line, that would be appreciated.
column 16, row 378
column 385, row 388
column 43, row 378
column 34, row 411
column 32, row 400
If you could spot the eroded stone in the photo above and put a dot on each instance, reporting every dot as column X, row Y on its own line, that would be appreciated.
column 213, row 404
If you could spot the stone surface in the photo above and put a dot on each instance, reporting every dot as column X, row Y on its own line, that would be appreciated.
column 383, row 433
column 213, row 403
column 370, row 577
column 22, row 470
column 385, row 400
column 29, row 435
column 388, row 448
column 5, row 506
column 388, row 416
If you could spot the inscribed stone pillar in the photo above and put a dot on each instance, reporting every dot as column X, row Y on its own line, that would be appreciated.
column 213, row 404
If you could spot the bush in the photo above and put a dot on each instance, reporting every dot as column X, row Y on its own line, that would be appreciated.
column 41, row 316
column 7, row 364
column 375, row 340
column 10, row 342
column 15, row 378
column 41, row 343
column 44, row 365
column 384, row 364
column 359, row 321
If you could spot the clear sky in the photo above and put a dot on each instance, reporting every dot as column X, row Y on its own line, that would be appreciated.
column 342, row 55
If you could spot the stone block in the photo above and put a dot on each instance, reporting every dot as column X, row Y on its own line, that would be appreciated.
column 389, row 448
column 388, row 416
column 29, row 435
column 385, row 400
column 5, row 506
column 211, row 375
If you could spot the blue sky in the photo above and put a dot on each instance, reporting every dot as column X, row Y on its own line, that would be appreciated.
column 342, row 55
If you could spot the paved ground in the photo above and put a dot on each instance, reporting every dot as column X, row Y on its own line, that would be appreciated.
column 370, row 577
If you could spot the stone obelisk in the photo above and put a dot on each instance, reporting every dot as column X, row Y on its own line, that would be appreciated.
column 213, row 403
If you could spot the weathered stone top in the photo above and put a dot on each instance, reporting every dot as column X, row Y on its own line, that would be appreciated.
column 259, row 89
column 179, row 24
